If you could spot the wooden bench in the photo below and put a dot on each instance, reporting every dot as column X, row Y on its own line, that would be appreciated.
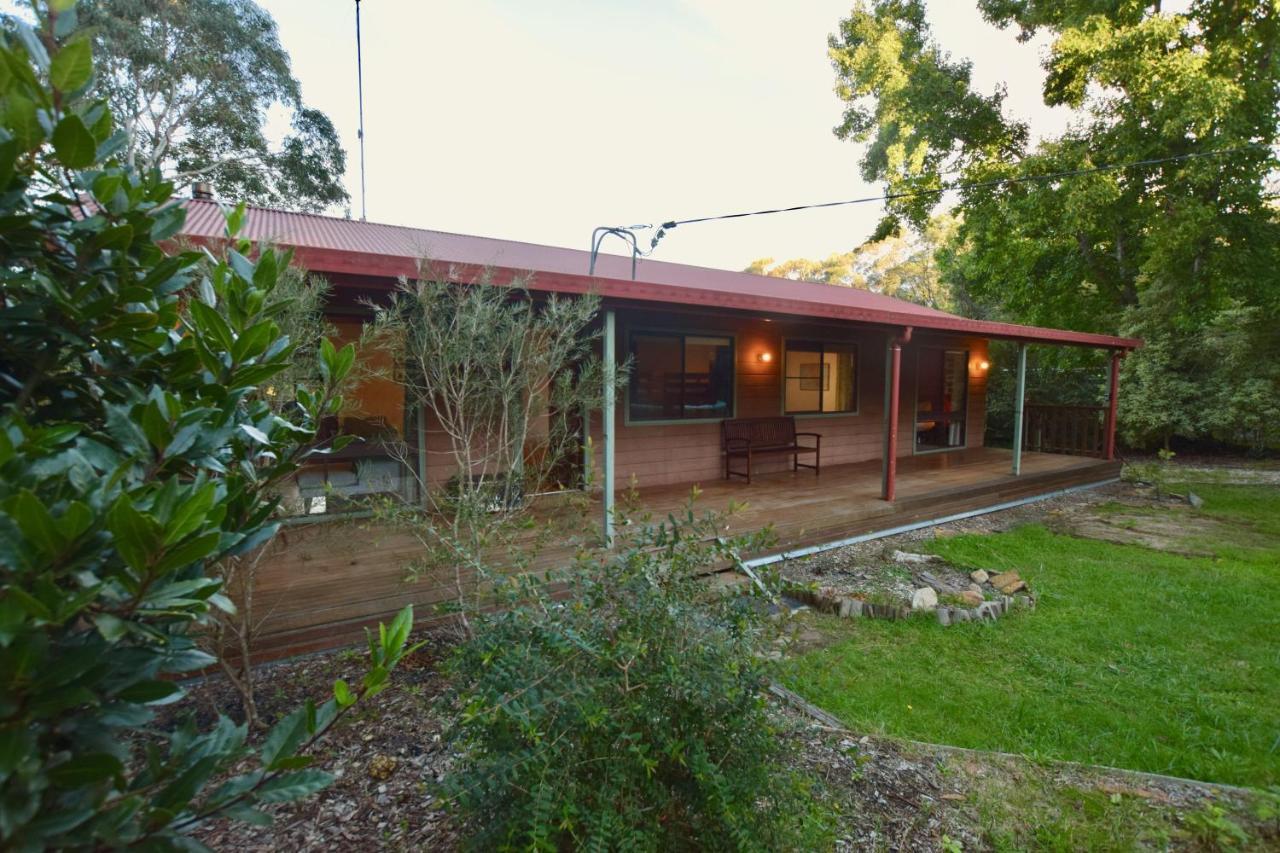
column 749, row 438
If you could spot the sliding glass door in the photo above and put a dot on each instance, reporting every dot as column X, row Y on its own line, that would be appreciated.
column 942, row 384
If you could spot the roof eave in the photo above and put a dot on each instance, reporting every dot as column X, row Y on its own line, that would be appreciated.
column 341, row 261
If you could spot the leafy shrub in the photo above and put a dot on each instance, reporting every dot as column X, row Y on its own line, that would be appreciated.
column 134, row 453
column 621, row 704
column 505, row 378
column 1158, row 473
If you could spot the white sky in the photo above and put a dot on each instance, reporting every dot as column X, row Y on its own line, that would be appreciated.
column 538, row 120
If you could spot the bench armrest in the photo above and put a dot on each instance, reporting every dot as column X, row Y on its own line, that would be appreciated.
column 816, row 436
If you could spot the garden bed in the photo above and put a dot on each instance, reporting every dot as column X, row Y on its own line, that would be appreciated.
column 901, row 584
column 883, row 793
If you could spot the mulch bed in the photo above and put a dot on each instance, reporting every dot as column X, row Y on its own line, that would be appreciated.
column 387, row 756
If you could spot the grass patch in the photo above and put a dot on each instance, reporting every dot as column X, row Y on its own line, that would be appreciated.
column 1134, row 658
column 1016, row 808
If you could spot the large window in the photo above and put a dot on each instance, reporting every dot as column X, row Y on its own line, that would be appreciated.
column 819, row 378
column 942, row 392
column 677, row 376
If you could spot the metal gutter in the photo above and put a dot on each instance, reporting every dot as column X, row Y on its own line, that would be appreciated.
column 918, row 525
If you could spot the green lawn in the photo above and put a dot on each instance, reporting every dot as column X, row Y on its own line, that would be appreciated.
column 1134, row 658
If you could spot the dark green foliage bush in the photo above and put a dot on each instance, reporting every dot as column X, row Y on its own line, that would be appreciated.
column 1218, row 382
column 134, row 453
column 622, row 706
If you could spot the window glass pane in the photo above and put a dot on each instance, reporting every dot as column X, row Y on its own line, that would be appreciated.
column 803, row 378
column 819, row 377
column 655, row 383
column 929, row 382
column 677, row 376
column 942, row 398
column 955, row 375
column 955, row 387
column 708, row 377
column 841, row 364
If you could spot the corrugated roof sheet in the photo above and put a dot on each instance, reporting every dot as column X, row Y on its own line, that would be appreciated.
column 333, row 245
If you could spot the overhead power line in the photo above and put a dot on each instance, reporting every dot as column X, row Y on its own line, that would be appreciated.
column 628, row 232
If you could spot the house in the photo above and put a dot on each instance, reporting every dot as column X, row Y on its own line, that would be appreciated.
column 897, row 392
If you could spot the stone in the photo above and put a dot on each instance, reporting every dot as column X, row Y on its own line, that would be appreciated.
column 976, row 588
column 1008, row 582
column 907, row 557
column 944, row 616
column 937, row 583
column 979, row 576
column 1004, row 578
column 1195, row 500
column 962, row 615
column 987, row 610
column 850, row 608
column 924, row 598
column 971, row 598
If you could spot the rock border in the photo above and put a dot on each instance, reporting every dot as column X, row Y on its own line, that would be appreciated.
column 849, row 607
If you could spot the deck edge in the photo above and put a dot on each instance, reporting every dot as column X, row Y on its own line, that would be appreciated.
column 808, row 550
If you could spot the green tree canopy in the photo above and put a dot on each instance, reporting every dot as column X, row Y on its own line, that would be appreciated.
column 193, row 82
column 1165, row 251
column 905, row 266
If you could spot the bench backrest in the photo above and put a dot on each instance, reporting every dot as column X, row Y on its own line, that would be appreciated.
column 761, row 432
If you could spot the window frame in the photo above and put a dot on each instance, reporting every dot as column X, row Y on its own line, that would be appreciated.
column 915, row 406
column 857, row 378
column 682, row 334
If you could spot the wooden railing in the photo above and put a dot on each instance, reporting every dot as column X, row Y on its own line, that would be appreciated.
column 1073, row 430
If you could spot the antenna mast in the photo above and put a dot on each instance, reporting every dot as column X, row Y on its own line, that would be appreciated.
column 360, row 132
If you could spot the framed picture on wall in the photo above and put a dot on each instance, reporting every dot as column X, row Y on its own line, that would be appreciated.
column 814, row 375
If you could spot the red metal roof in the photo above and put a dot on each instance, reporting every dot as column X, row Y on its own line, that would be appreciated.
column 330, row 245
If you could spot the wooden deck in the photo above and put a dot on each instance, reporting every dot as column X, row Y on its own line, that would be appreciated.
column 327, row 581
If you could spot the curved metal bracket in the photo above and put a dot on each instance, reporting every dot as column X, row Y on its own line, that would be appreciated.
column 627, row 234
